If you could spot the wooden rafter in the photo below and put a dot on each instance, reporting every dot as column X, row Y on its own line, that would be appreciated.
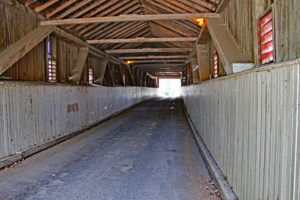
column 157, row 7
column 206, row 4
column 29, row 2
column 73, row 9
column 130, row 8
column 45, row 5
column 188, row 26
column 117, row 29
column 102, row 27
column 148, row 50
column 87, row 9
column 130, row 32
column 143, row 33
column 60, row 8
column 100, row 11
column 127, row 18
column 197, row 6
column 159, row 61
column 177, row 29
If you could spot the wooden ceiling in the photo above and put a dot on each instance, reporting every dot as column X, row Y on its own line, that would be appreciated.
column 187, row 30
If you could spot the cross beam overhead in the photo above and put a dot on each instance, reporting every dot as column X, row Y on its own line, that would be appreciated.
column 133, row 40
column 148, row 50
column 128, row 18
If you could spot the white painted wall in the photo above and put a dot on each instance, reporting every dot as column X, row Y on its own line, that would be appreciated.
column 32, row 114
column 249, row 122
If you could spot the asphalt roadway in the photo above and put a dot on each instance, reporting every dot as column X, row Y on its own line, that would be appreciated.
column 146, row 153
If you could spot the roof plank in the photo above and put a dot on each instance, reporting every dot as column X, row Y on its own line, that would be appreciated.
column 45, row 5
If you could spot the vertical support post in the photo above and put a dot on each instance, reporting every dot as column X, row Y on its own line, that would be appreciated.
column 259, row 7
column 203, row 63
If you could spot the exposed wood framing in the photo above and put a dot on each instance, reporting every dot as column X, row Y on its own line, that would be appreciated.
column 73, row 9
column 45, row 5
column 69, row 37
column 12, row 54
column 127, row 18
column 228, row 50
column 159, row 65
column 159, row 61
column 93, row 50
column 203, row 63
column 79, row 65
column 101, row 68
column 132, row 40
column 148, row 50
column 60, row 8
column 151, row 57
column 203, row 37
column 222, row 5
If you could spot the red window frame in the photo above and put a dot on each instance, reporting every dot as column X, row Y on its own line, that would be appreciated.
column 91, row 76
column 216, row 65
column 265, row 39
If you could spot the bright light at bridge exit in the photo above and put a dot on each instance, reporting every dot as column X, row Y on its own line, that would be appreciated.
column 169, row 87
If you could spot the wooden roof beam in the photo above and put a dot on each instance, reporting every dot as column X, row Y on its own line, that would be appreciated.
column 119, row 29
column 60, row 8
column 158, row 61
column 152, row 57
column 197, row 6
column 153, row 6
column 203, row 36
column 98, row 29
column 206, row 4
column 232, row 57
column 45, row 5
column 29, row 2
column 128, row 8
column 103, row 10
column 142, row 33
column 73, row 9
column 127, row 33
column 148, row 50
column 127, row 18
column 133, row 40
column 87, row 9
column 15, row 52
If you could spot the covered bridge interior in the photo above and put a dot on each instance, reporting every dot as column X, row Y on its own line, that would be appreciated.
column 92, row 68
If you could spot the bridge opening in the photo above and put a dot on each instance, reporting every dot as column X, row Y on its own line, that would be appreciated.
column 169, row 87
column 89, row 105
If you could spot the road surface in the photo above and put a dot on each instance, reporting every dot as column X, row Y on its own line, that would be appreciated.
column 146, row 153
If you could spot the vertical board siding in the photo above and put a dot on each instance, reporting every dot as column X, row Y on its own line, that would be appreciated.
column 15, row 24
column 239, row 17
column 249, row 123
column 32, row 114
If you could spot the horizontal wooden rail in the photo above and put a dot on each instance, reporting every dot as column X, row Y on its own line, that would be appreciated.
column 128, row 18
column 134, row 40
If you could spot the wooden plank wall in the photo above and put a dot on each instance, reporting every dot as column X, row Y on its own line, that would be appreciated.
column 14, row 25
column 33, row 114
column 212, row 51
column 288, row 15
column 249, row 123
column 239, row 17
column 65, row 61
